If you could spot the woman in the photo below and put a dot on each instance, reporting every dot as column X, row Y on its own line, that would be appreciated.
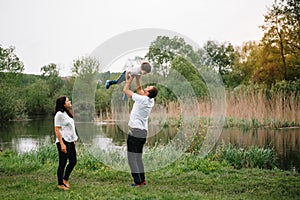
column 66, row 137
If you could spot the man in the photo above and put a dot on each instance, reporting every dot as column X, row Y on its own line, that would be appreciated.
column 138, row 127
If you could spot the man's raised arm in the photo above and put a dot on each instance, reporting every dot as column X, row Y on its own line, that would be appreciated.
column 139, row 88
column 126, row 89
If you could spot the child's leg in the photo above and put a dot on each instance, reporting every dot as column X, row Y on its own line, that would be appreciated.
column 121, row 78
column 118, row 81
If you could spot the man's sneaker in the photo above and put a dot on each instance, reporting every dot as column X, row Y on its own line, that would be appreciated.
column 107, row 84
column 144, row 183
column 135, row 185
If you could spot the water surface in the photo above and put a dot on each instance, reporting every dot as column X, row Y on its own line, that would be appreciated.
column 30, row 135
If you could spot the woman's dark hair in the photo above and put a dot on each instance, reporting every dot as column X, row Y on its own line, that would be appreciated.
column 146, row 67
column 153, row 92
column 60, row 105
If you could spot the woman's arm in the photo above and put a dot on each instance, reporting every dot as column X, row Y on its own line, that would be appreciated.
column 58, row 135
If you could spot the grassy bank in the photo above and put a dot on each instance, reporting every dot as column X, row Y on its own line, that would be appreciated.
column 33, row 176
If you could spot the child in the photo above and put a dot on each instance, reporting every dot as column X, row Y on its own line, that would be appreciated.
column 145, row 68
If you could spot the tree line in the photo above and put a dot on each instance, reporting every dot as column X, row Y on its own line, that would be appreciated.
column 272, row 63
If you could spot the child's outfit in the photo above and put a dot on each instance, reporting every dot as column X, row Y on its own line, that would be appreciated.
column 133, row 71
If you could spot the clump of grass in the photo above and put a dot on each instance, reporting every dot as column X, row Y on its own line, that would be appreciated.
column 198, row 139
column 28, row 161
column 252, row 157
column 189, row 162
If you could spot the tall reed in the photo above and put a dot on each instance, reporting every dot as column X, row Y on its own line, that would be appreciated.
column 251, row 107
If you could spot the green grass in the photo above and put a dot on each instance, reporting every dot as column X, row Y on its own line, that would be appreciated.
column 33, row 176
column 251, row 157
column 253, row 123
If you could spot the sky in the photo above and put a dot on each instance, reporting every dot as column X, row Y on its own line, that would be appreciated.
column 60, row 31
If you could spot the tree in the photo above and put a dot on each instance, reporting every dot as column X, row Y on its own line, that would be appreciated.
column 85, row 66
column 248, row 62
column 222, row 57
column 184, row 68
column 9, row 61
column 50, row 70
column 282, row 35
column 86, row 72
column 164, row 49
column 291, row 8
column 37, row 98
column 7, row 109
column 50, row 74
column 102, row 100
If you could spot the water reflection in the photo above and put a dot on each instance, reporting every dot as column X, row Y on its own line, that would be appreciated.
column 26, row 135
column 106, row 144
column 30, row 135
column 286, row 142
column 113, row 136
column 22, row 145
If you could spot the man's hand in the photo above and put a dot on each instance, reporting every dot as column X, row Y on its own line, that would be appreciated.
column 129, row 80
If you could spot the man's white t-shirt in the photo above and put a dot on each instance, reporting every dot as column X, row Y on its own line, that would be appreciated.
column 140, row 111
column 67, row 126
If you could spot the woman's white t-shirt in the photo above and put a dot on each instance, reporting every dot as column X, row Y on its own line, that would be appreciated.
column 67, row 126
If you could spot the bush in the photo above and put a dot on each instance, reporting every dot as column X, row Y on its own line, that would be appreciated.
column 253, row 157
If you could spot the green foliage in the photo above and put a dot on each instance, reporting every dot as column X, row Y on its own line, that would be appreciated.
column 190, row 162
column 38, row 98
column 102, row 100
column 85, row 67
column 83, row 95
column 272, row 63
column 9, row 61
column 87, row 161
column 11, row 96
column 164, row 49
column 198, row 139
column 247, row 158
column 50, row 74
column 24, row 95
column 45, row 154
column 282, row 40
column 189, row 177
column 221, row 56
column 186, row 69
column 8, row 101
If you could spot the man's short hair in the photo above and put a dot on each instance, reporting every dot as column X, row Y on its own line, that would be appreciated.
column 153, row 92
column 146, row 67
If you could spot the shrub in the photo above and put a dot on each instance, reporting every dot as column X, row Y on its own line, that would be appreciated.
column 253, row 157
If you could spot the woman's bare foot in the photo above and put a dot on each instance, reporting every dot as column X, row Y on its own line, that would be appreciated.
column 66, row 183
column 63, row 187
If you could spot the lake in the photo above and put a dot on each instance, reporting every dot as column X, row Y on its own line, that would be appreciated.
column 30, row 135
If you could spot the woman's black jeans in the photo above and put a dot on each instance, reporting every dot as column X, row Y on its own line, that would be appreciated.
column 63, row 172
column 135, row 143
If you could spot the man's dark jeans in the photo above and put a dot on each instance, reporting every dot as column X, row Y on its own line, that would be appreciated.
column 135, row 143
